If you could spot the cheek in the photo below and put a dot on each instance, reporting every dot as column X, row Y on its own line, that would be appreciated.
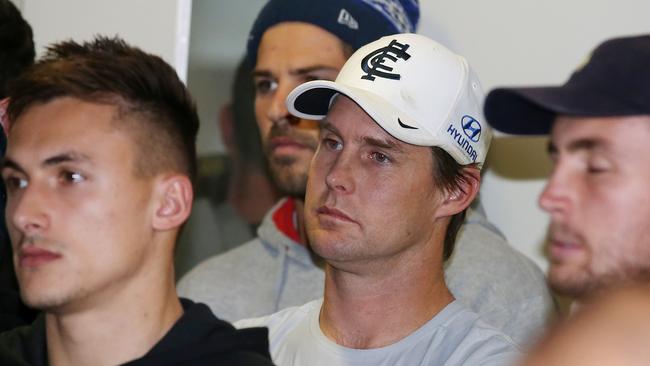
column 317, row 174
column 617, row 219
column 261, row 108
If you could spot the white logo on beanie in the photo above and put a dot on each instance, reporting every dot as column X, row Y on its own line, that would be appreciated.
column 346, row 18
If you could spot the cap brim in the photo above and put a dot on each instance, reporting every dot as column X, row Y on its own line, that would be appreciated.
column 531, row 111
column 312, row 100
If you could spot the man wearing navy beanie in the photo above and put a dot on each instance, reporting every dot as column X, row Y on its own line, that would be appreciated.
column 294, row 41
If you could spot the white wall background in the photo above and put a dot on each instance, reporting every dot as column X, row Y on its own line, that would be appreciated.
column 508, row 42
column 157, row 26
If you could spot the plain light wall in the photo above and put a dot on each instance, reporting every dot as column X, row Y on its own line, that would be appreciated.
column 160, row 27
column 218, row 38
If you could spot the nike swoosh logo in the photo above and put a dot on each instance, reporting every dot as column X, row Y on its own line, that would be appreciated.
column 405, row 125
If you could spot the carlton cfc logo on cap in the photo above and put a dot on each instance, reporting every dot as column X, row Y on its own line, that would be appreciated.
column 374, row 63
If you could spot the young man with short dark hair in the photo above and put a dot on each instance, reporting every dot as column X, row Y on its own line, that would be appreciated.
column 99, row 172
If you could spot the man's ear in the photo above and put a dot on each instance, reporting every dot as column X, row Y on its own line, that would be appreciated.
column 174, row 195
column 462, row 196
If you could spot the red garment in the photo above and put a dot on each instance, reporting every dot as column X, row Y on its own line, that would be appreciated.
column 283, row 218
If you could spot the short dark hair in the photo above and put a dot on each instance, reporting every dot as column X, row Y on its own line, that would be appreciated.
column 448, row 173
column 109, row 71
column 16, row 44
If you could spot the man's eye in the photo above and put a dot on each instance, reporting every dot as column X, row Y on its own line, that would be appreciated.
column 14, row 183
column 332, row 144
column 71, row 177
column 265, row 86
column 598, row 166
column 380, row 157
column 595, row 169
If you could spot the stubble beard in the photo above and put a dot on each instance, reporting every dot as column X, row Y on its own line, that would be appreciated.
column 587, row 283
column 288, row 173
column 286, row 177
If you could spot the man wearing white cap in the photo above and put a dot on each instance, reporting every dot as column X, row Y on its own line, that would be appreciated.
column 294, row 41
column 402, row 143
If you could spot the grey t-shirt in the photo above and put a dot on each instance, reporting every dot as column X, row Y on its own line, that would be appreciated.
column 455, row 336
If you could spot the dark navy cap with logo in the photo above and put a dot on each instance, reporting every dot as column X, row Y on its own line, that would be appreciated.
column 355, row 22
column 614, row 82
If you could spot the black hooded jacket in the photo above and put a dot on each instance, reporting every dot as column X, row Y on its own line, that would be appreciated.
column 198, row 338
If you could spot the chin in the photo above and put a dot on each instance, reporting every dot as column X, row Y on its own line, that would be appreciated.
column 45, row 302
column 290, row 183
column 332, row 249
column 575, row 286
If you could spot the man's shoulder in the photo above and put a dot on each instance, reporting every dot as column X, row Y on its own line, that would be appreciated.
column 505, row 287
column 231, row 262
column 252, row 254
column 469, row 340
column 481, row 241
column 15, row 345
column 200, row 338
column 283, row 320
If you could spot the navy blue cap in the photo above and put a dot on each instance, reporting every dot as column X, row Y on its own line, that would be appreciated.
column 355, row 22
column 614, row 82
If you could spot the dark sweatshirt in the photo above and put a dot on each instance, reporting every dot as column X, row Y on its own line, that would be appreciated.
column 198, row 338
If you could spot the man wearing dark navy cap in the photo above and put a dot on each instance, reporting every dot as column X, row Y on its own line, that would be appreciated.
column 597, row 195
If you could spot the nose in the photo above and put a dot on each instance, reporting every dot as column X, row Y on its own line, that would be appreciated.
column 278, row 112
column 340, row 177
column 557, row 196
column 26, row 211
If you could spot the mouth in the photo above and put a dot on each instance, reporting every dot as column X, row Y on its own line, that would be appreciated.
column 333, row 213
column 563, row 248
column 281, row 143
column 30, row 256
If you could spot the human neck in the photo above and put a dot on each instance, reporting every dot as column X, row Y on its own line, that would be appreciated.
column 361, row 311
column 122, row 326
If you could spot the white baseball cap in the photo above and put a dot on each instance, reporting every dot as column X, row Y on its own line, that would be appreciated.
column 414, row 88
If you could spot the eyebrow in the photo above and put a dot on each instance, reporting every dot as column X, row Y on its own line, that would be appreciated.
column 300, row 71
column 325, row 124
column 586, row 144
column 65, row 157
column 372, row 141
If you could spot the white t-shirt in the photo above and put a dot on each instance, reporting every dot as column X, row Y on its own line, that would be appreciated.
column 455, row 336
